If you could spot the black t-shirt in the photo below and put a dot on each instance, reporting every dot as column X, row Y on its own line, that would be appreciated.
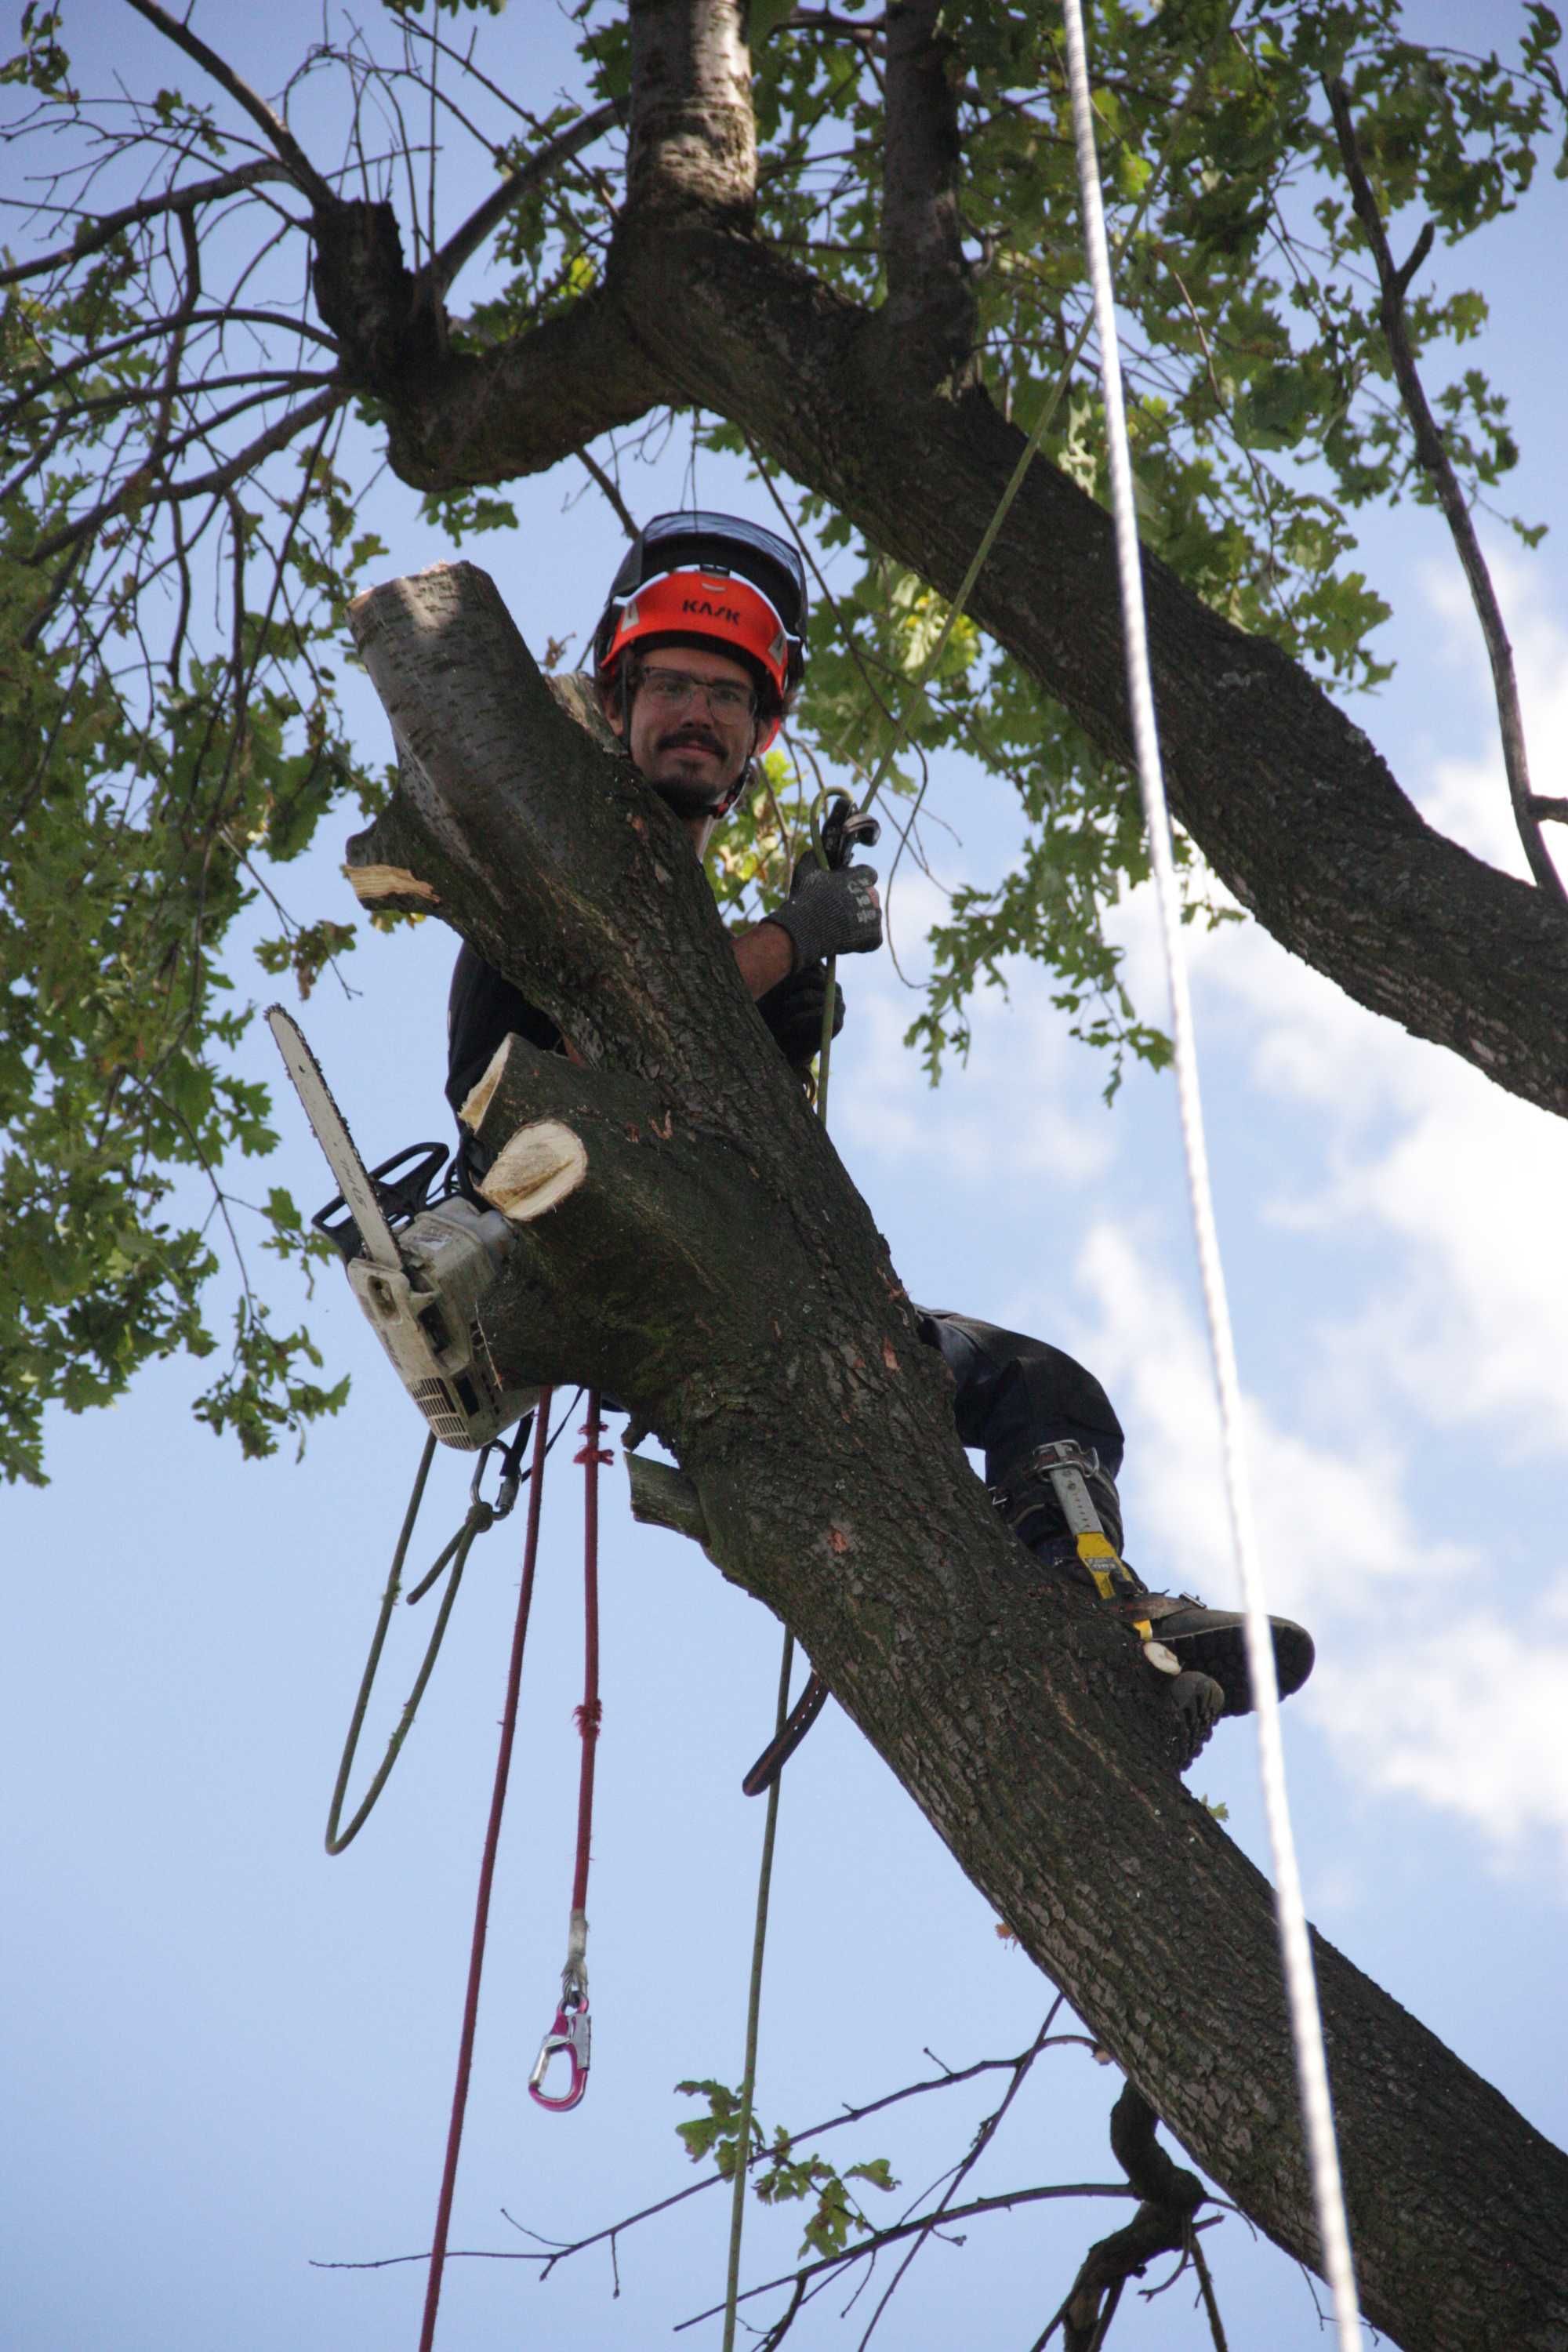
column 482, row 1009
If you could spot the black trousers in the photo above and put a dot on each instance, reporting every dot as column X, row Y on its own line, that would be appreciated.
column 1014, row 1393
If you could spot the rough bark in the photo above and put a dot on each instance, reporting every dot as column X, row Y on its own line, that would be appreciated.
column 716, row 1269
column 693, row 134
column 929, row 303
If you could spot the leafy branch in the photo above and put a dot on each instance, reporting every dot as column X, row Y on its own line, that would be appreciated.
column 1394, row 283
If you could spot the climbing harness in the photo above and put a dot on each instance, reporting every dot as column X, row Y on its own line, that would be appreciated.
column 1306, row 2023
column 570, row 2034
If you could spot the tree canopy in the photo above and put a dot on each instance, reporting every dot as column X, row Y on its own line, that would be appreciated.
column 853, row 254
column 842, row 245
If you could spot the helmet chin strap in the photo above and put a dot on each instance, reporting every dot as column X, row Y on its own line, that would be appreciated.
column 763, row 733
column 727, row 800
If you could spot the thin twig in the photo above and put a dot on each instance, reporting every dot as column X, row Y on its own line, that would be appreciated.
column 612, row 490
column 983, row 2140
column 302, row 170
column 540, row 165
column 880, row 2237
column 1206, row 2288
column 277, row 437
column 93, row 234
column 947, row 2080
column 1432, row 456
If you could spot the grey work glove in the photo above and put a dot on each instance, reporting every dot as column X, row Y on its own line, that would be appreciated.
column 830, row 912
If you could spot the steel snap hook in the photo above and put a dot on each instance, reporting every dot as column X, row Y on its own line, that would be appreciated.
column 570, row 2036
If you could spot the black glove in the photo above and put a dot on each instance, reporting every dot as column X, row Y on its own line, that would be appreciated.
column 830, row 910
column 792, row 1012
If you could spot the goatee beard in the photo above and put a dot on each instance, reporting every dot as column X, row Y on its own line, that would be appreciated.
column 688, row 796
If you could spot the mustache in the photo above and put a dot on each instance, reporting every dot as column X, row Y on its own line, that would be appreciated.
column 697, row 736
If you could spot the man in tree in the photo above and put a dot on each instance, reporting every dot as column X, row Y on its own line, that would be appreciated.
column 697, row 655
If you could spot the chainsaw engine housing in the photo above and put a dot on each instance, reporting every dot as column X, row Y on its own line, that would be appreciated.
column 427, row 1317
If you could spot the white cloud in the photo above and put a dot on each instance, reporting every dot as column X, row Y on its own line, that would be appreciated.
column 1469, row 1717
column 1021, row 1091
column 1333, row 1530
column 1419, row 1692
column 1457, row 1186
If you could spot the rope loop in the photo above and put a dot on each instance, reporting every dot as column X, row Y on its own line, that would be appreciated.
column 478, row 1520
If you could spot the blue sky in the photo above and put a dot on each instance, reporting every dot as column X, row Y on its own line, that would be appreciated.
column 228, row 2058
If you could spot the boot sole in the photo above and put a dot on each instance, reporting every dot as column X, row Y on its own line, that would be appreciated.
column 1219, row 1648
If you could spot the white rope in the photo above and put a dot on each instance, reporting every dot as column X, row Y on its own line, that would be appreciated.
column 1306, row 2023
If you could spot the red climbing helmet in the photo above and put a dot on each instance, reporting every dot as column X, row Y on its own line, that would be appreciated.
column 714, row 578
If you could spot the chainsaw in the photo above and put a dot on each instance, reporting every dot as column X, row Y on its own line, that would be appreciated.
column 420, row 1269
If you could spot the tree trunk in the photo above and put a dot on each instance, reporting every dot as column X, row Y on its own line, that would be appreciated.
column 713, row 1268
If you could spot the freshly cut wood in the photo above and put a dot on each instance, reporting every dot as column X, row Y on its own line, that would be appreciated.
column 535, row 1170
column 373, row 885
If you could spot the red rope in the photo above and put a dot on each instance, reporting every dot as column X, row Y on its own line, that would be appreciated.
column 588, row 1714
column 486, row 1877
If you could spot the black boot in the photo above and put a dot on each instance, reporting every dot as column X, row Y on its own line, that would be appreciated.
column 1080, row 1539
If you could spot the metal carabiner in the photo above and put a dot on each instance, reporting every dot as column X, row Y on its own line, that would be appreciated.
column 572, row 2033
column 511, row 1473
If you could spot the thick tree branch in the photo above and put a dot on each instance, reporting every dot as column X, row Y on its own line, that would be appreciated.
column 693, row 134
column 929, row 300
column 1162, row 2224
column 1286, row 798
column 1432, row 455
column 391, row 326
column 582, row 371
column 1017, row 1718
